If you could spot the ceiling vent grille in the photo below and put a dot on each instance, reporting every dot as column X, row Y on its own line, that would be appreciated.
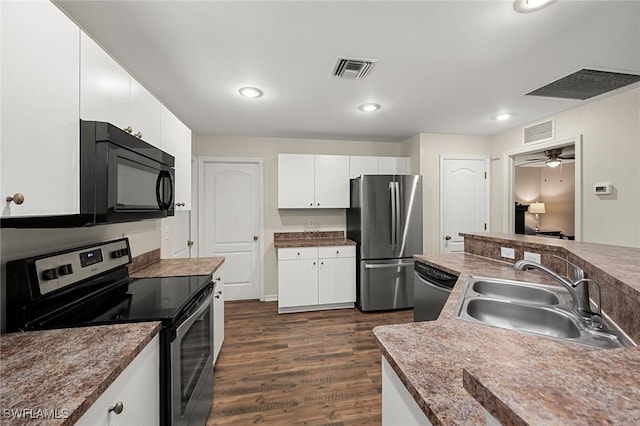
column 585, row 84
column 351, row 68
column 540, row 132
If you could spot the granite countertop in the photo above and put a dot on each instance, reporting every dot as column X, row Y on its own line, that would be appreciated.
column 430, row 357
column 65, row 371
column 310, row 239
column 179, row 267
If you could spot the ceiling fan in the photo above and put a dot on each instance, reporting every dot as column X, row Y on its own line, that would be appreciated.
column 553, row 158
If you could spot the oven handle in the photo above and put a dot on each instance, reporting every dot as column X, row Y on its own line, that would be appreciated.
column 188, row 312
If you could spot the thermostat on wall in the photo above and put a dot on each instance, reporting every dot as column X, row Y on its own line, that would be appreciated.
column 603, row 188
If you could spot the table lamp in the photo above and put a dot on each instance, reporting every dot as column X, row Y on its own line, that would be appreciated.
column 537, row 208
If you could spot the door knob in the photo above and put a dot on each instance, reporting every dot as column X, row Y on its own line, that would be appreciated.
column 189, row 243
column 255, row 238
column 447, row 237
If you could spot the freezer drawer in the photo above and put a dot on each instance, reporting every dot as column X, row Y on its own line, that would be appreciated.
column 385, row 285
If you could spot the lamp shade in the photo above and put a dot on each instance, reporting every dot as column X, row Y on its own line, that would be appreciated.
column 536, row 208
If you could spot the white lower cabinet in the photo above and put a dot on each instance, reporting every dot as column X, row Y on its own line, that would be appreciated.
column 136, row 390
column 398, row 406
column 218, row 312
column 312, row 278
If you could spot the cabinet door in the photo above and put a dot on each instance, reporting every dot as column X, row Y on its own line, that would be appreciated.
column 137, row 388
column 40, row 131
column 337, row 280
column 218, row 313
column 104, row 86
column 359, row 165
column 145, row 114
column 331, row 181
column 296, row 181
column 175, row 139
column 297, row 283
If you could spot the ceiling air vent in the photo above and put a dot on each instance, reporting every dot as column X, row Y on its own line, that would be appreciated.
column 585, row 84
column 352, row 68
column 541, row 132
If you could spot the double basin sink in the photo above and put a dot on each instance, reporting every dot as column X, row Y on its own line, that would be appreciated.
column 532, row 308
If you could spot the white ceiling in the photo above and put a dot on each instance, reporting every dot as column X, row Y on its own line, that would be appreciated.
column 443, row 66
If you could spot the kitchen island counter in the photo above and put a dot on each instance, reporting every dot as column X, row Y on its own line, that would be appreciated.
column 430, row 358
column 52, row 377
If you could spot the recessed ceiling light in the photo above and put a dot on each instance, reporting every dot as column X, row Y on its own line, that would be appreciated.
column 369, row 107
column 525, row 6
column 503, row 116
column 251, row 92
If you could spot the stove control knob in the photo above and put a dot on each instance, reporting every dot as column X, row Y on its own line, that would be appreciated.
column 65, row 269
column 116, row 254
column 50, row 274
column 124, row 252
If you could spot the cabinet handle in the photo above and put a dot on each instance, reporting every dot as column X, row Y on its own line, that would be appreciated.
column 128, row 129
column 321, row 263
column 177, row 204
column 218, row 278
column 118, row 408
column 337, row 251
column 447, row 237
column 310, row 204
column 298, row 253
column 138, row 135
column 318, row 204
column 17, row 198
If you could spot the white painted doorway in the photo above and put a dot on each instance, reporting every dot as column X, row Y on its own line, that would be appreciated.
column 464, row 199
column 230, row 222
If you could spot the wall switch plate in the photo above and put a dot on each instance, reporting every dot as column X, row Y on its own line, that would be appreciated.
column 509, row 253
column 534, row 257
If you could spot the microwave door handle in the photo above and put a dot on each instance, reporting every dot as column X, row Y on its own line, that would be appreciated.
column 164, row 205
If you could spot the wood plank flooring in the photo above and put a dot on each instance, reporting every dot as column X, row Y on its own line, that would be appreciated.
column 316, row 368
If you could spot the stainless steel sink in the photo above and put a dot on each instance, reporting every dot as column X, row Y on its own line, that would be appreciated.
column 517, row 291
column 536, row 319
column 531, row 308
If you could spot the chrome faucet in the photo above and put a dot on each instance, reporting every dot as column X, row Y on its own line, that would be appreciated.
column 578, row 289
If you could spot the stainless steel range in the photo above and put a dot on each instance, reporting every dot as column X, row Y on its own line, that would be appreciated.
column 90, row 285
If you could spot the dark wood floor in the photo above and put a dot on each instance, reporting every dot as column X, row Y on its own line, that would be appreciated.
column 320, row 368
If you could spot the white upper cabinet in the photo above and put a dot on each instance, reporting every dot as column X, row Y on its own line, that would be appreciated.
column 40, row 130
column 108, row 93
column 313, row 181
column 331, row 181
column 393, row 165
column 296, row 181
column 175, row 139
column 371, row 165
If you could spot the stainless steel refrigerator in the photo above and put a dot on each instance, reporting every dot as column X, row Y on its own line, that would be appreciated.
column 385, row 219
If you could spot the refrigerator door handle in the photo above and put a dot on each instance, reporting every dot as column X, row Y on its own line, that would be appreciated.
column 387, row 265
column 396, row 191
column 394, row 211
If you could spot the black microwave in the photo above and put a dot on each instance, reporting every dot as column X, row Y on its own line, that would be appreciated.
column 122, row 179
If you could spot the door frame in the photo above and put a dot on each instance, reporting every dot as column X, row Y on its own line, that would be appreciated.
column 202, row 161
column 487, row 184
column 509, row 173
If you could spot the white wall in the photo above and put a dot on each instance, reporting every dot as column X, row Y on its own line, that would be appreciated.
column 432, row 146
column 611, row 153
column 287, row 220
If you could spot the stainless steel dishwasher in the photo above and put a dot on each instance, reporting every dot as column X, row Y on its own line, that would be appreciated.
column 431, row 289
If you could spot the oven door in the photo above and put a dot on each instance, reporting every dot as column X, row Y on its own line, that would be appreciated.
column 192, row 367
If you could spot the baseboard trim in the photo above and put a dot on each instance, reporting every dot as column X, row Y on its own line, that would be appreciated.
column 270, row 298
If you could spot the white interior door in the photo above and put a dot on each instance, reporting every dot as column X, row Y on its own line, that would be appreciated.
column 464, row 199
column 230, row 212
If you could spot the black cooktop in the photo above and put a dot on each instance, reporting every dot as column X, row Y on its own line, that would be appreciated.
column 137, row 300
